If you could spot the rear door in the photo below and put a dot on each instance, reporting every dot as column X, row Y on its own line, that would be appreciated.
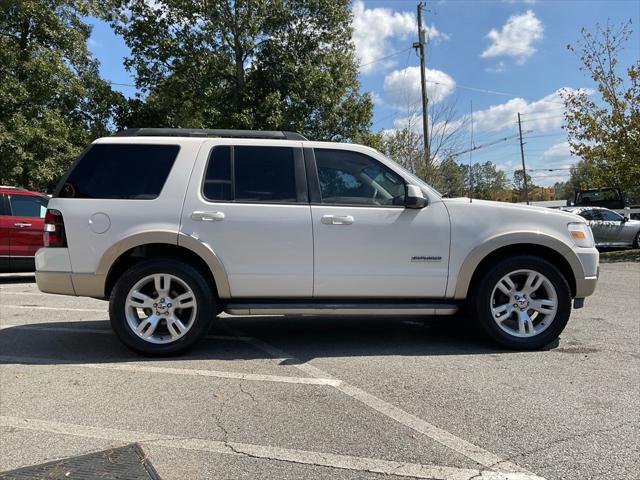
column 248, row 202
column 27, row 224
column 5, row 219
column 367, row 244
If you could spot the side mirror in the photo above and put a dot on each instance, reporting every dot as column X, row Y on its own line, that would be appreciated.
column 414, row 198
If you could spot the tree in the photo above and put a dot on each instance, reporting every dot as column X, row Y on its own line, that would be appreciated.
column 262, row 64
column 52, row 99
column 405, row 145
column 450, row 178
column 606, row 133
column 487, row 180
column 518, row 183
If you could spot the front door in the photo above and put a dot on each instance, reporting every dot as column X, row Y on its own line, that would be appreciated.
column 367, row 244
column 249, row 204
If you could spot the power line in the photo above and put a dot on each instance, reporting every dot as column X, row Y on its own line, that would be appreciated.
column 385, row 57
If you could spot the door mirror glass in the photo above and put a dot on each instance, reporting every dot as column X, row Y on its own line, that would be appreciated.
column 414, row 198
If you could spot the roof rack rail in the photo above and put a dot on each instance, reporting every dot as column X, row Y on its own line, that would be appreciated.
column 208, row 132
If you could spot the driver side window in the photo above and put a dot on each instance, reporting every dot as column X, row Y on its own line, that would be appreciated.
column 351, row 178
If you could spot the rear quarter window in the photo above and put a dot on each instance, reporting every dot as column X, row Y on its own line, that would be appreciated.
column 120, row 171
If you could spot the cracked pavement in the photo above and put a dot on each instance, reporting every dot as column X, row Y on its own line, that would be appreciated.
column 569, row 412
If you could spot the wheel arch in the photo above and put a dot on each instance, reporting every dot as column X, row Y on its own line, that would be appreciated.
column 145, row 245
column 483, row 257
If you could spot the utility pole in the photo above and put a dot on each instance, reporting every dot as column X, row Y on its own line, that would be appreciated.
column 425, row 101
column 524, row 170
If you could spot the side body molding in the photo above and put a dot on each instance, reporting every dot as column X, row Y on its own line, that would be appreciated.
column 496, row 242
column 172, row 238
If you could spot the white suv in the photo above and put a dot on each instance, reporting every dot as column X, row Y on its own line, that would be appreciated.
column 175, row 226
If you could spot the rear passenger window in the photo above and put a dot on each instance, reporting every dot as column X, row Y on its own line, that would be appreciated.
column 251, row 174
column 28, row 206
column 120, row 171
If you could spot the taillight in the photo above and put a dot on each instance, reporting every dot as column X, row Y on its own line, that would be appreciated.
column 54, row 235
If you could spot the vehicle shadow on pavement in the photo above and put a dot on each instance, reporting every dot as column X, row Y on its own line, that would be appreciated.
column 303, row 338
column 7, row 279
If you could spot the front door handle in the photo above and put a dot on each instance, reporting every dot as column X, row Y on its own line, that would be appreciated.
column 207, row 216
column 21, row 225
column 337, row 219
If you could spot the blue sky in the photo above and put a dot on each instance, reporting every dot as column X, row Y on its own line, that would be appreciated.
column 514, row 48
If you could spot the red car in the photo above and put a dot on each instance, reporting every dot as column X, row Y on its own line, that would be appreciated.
column 21, row 227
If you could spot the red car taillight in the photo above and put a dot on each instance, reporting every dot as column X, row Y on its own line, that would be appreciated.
column 54, row 229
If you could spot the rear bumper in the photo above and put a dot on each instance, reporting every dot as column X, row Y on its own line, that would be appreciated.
column 54, row 275
column 55, row 282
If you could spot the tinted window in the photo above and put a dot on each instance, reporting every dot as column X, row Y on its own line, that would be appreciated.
column 264, row 174
column 351, row 178
column 217, row 181
column 251, row 174
column 609, row 216
column 588, row 214
column 121, row 171
column 28, row 206
column 4, row 206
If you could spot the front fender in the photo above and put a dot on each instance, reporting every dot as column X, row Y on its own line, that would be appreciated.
column 462, row 282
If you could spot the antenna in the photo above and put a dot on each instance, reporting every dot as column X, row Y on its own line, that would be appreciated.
column 471, row 149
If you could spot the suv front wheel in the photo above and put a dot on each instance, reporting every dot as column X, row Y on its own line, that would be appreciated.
column 523, row 302
column 161, row 306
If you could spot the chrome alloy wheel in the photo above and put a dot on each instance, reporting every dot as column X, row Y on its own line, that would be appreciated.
column 160, row 308
column 524, row 303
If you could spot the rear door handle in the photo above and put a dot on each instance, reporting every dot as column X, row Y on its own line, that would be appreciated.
column 207, row 216
column 337, row 219
column 21, row 225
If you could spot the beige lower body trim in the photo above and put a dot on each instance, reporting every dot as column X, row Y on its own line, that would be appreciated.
column 55, row 282
column 585, row 286
column 89, row 285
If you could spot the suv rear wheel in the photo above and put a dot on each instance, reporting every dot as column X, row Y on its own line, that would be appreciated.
column 523, row 302
column 161, row 307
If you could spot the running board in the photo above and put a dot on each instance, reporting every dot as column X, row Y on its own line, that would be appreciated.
column 340, row 309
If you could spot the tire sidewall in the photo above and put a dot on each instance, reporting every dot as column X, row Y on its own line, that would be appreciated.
column 485, row 290
column 192, row 277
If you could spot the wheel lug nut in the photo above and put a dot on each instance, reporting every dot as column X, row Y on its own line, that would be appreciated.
column 155, row 304
column 169, row 305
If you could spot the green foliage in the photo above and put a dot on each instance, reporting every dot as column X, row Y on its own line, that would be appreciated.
column 488, row 180
column 262, row 64
column 450, row 179
column 606, row 133
column 52, row 100
column 518, row 184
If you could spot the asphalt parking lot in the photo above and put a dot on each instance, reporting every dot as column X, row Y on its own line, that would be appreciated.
column 314, row 398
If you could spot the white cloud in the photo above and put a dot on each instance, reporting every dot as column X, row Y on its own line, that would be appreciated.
column 497, row 68
column 374, row 27
column 403, row 90
column 516, row 37
column 528, row 2
column 559, row 151
column 540, row 115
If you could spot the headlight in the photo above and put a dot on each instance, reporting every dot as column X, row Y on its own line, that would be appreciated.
column 581, row 234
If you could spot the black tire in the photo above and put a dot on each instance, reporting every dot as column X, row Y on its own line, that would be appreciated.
column 484, row 290
column 202, row 292
column 636, row 241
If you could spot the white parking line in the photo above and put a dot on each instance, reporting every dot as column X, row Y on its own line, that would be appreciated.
column 345, row 462
column 468, row 449
column 40, row 327
column 138, row 368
